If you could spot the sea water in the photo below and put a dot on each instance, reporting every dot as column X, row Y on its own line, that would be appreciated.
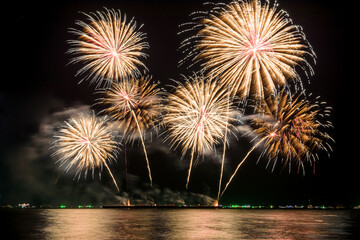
column 179, row 224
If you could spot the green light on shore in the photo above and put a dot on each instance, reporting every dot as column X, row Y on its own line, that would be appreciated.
column 62, row 206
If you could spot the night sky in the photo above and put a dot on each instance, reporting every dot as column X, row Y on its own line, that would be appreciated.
column 39, row 91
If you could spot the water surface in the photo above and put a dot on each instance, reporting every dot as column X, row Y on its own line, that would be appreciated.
column 180, row 224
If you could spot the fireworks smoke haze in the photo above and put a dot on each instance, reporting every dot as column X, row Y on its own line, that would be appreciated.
column 48, row 93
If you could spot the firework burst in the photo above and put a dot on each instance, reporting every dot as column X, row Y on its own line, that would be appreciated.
column 292, row 130
column 135, row 105
column 250, row 45
column 198, row 115
column 86, row 143
column 133, row 102
column 109, row 46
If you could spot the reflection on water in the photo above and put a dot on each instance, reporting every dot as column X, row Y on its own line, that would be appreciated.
column 181, row 224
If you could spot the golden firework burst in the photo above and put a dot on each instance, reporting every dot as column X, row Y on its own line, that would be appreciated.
column 197, row 116
column 251, row 46
column 85, row 143
column 110, row 47
column 135, row 105
column 293, row 128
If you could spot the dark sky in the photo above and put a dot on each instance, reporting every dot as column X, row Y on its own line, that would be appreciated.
column 39, row 90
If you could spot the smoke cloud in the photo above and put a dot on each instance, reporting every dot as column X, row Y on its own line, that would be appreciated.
column 35, row 178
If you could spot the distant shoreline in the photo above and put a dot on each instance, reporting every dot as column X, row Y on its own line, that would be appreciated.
column 173, row 206
column 227, row 207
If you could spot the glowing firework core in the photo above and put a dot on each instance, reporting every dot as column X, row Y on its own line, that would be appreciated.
column 273, row 134
column 85, row 140
column 258, row 45
column 202, row 121
column 124, row 95
column 114, row 53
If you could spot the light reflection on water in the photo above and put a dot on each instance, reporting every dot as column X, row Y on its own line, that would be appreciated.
column 183, row 224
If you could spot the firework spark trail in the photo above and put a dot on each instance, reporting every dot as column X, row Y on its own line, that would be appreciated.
column 112, row 177
column 85, row 142
column 238, row 166
column 135, row 105
column 292, row 129
column 223, row 158
column 251, row 46
column 190, row 167
column 143, row 145
column 109, row 46
column 197, row 115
